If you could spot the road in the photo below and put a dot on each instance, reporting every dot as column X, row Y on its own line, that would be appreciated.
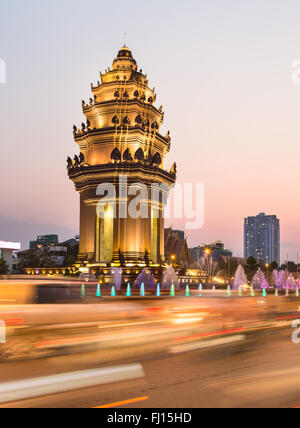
column 208, row 351
column 263, row 371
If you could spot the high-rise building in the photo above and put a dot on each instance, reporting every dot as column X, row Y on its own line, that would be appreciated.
column 262, row 238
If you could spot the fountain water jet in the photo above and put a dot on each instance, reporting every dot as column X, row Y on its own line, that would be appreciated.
column 290, row 283
column 146, row 278
column 200, row 289
column 98, row 292
column 208, row 265
column 172, row 290
column 170, row 278
column 118, row 279
column 240, row 279
column 259, row 280
column 158, row 290
column 187, row 291
column 279, row 278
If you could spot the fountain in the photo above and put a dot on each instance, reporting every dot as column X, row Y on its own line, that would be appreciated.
column 200, row 289
column 98, row 292
column 118, row 279
column 146, row 278
column 158, row 290
column 170, row 278
column 240, row 279
column 278, row 279
column 259, row 280
column 290, row 282
column 172, row 290
column 208, row 265
column 285, row 276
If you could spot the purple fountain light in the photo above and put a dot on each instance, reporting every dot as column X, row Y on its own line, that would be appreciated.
column 259, row 280
column 290, row 282
column 240, row 278
column 146, row 278
column 118, row 279
column 278, row 278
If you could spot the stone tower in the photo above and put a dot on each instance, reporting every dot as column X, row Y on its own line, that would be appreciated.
column 120, row 144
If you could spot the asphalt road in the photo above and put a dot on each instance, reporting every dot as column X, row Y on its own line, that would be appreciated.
column 262, row 371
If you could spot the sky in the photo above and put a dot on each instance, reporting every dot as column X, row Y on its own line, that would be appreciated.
column 222, row 71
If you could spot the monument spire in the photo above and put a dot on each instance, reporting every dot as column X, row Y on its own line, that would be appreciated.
column 120, row 138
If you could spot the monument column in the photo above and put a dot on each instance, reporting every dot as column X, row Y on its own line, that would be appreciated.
column 121, row 138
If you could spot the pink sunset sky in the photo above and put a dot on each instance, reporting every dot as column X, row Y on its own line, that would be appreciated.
column 222, row 70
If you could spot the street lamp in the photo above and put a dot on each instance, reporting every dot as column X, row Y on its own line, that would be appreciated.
column 267, row 266
column 207, row 253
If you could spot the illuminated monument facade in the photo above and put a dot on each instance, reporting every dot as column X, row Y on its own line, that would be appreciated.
column 121, row 144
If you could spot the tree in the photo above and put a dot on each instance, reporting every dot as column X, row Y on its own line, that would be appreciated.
column 47, row 262
column 73, row 250
column 70, row 260
column 227, row 266
column 33, row 259
column 251, row 267
column 290, row 266
column 274, row 266
column 251, row 262
column 29, row 260
column 4, row 268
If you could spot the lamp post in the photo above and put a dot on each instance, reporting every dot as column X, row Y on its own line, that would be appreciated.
column 267, row 266
column 207, row 253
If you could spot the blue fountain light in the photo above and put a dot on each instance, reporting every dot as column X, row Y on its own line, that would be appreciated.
column 98, row 292
column 158, row 291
